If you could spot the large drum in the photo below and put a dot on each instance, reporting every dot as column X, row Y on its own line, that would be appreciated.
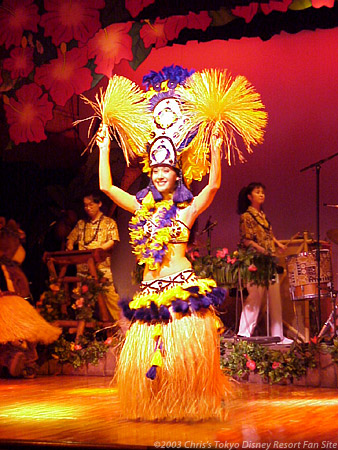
column 303, row 274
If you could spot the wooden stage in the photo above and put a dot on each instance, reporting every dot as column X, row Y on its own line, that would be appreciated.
column 82, row 412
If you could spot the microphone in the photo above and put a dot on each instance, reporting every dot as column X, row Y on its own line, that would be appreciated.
column 330, row 206
column 209, row 225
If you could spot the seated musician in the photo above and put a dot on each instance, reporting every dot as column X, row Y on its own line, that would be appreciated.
column 97, row 232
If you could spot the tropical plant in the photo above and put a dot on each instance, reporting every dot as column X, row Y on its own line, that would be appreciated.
column 241, row 358
column 234, row 269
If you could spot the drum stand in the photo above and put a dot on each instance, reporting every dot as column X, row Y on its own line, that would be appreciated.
column 318, row 166
column 330, row 322
column 303, row 247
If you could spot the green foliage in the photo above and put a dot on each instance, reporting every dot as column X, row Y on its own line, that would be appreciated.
column 84, row 297
column 140, row 53
column 227, row 269
column 85, row 351
column 243, row 357
column 236, row 268
column 51, row 301
column 333, row 350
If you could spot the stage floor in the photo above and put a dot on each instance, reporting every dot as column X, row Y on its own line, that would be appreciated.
column 83, row 412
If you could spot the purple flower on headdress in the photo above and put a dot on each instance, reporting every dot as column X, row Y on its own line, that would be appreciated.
column 153, row 79
column 174, row 74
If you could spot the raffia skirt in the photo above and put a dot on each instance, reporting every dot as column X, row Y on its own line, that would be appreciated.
column 20, row 321
column 181, row 354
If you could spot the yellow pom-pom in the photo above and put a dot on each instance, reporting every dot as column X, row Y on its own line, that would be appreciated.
column 214, row 101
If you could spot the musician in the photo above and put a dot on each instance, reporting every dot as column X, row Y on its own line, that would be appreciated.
column 256, row 232
column 98, row 232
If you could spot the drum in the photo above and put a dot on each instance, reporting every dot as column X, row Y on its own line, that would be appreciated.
column 303, row 274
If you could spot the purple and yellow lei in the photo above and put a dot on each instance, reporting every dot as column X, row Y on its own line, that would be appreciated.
column 150, row 249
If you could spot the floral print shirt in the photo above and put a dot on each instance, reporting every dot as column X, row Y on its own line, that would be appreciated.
column 254, row 226
column 92, row 234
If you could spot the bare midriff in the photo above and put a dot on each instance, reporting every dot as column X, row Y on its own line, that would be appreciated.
column 174, row 261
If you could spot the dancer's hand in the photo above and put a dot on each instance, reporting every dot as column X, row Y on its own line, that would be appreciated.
column 102, row 137
column 216, row 140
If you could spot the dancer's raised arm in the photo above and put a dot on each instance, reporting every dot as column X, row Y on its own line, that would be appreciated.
column 119, row 196
column 204, row 199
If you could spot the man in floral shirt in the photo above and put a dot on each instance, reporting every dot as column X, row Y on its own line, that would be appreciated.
column 98, row 232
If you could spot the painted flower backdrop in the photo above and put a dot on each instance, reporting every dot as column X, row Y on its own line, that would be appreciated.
column 17, row 16
column 65, row 76
column 28, row 115
column 53, row 50
column 65, row 20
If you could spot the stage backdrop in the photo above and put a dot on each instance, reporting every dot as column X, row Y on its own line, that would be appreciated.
column 297, row 78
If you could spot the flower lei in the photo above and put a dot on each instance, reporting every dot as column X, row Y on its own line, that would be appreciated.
column 150, row 248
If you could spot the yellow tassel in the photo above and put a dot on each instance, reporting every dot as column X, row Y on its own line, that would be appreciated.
column 157, row 359
column 218, row 323
column 157, row 331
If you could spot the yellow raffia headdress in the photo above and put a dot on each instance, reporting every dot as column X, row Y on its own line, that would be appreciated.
column 123, row 106
column 209, row 100
column 213, row 99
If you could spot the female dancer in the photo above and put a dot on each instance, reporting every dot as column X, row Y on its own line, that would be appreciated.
column 256, row 232
column 169, row 368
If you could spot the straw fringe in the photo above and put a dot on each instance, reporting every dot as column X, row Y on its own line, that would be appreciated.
column 189, row 386
column 20, row 321
column 214, row 100
column 124, row 108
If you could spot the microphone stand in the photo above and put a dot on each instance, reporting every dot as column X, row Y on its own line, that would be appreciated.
column 207, row 229
column 318, row 165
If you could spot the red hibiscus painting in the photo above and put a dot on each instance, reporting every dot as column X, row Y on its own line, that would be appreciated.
column 249, row 11
column 20, row 63
column 15, row 17
column 320, row 3
column 66, row 20
column 136, row 6
column 65, row 76
column 109, row 46
column 153, row 33
column 175, row 24
column 27, row 116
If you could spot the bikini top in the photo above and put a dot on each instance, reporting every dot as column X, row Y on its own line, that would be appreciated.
column 179, row 232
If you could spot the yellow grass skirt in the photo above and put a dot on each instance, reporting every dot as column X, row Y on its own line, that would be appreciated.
column 189, row 386
column 20, row 321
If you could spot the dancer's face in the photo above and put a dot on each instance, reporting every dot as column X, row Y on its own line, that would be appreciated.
column 164, row 179
column 257, row 197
